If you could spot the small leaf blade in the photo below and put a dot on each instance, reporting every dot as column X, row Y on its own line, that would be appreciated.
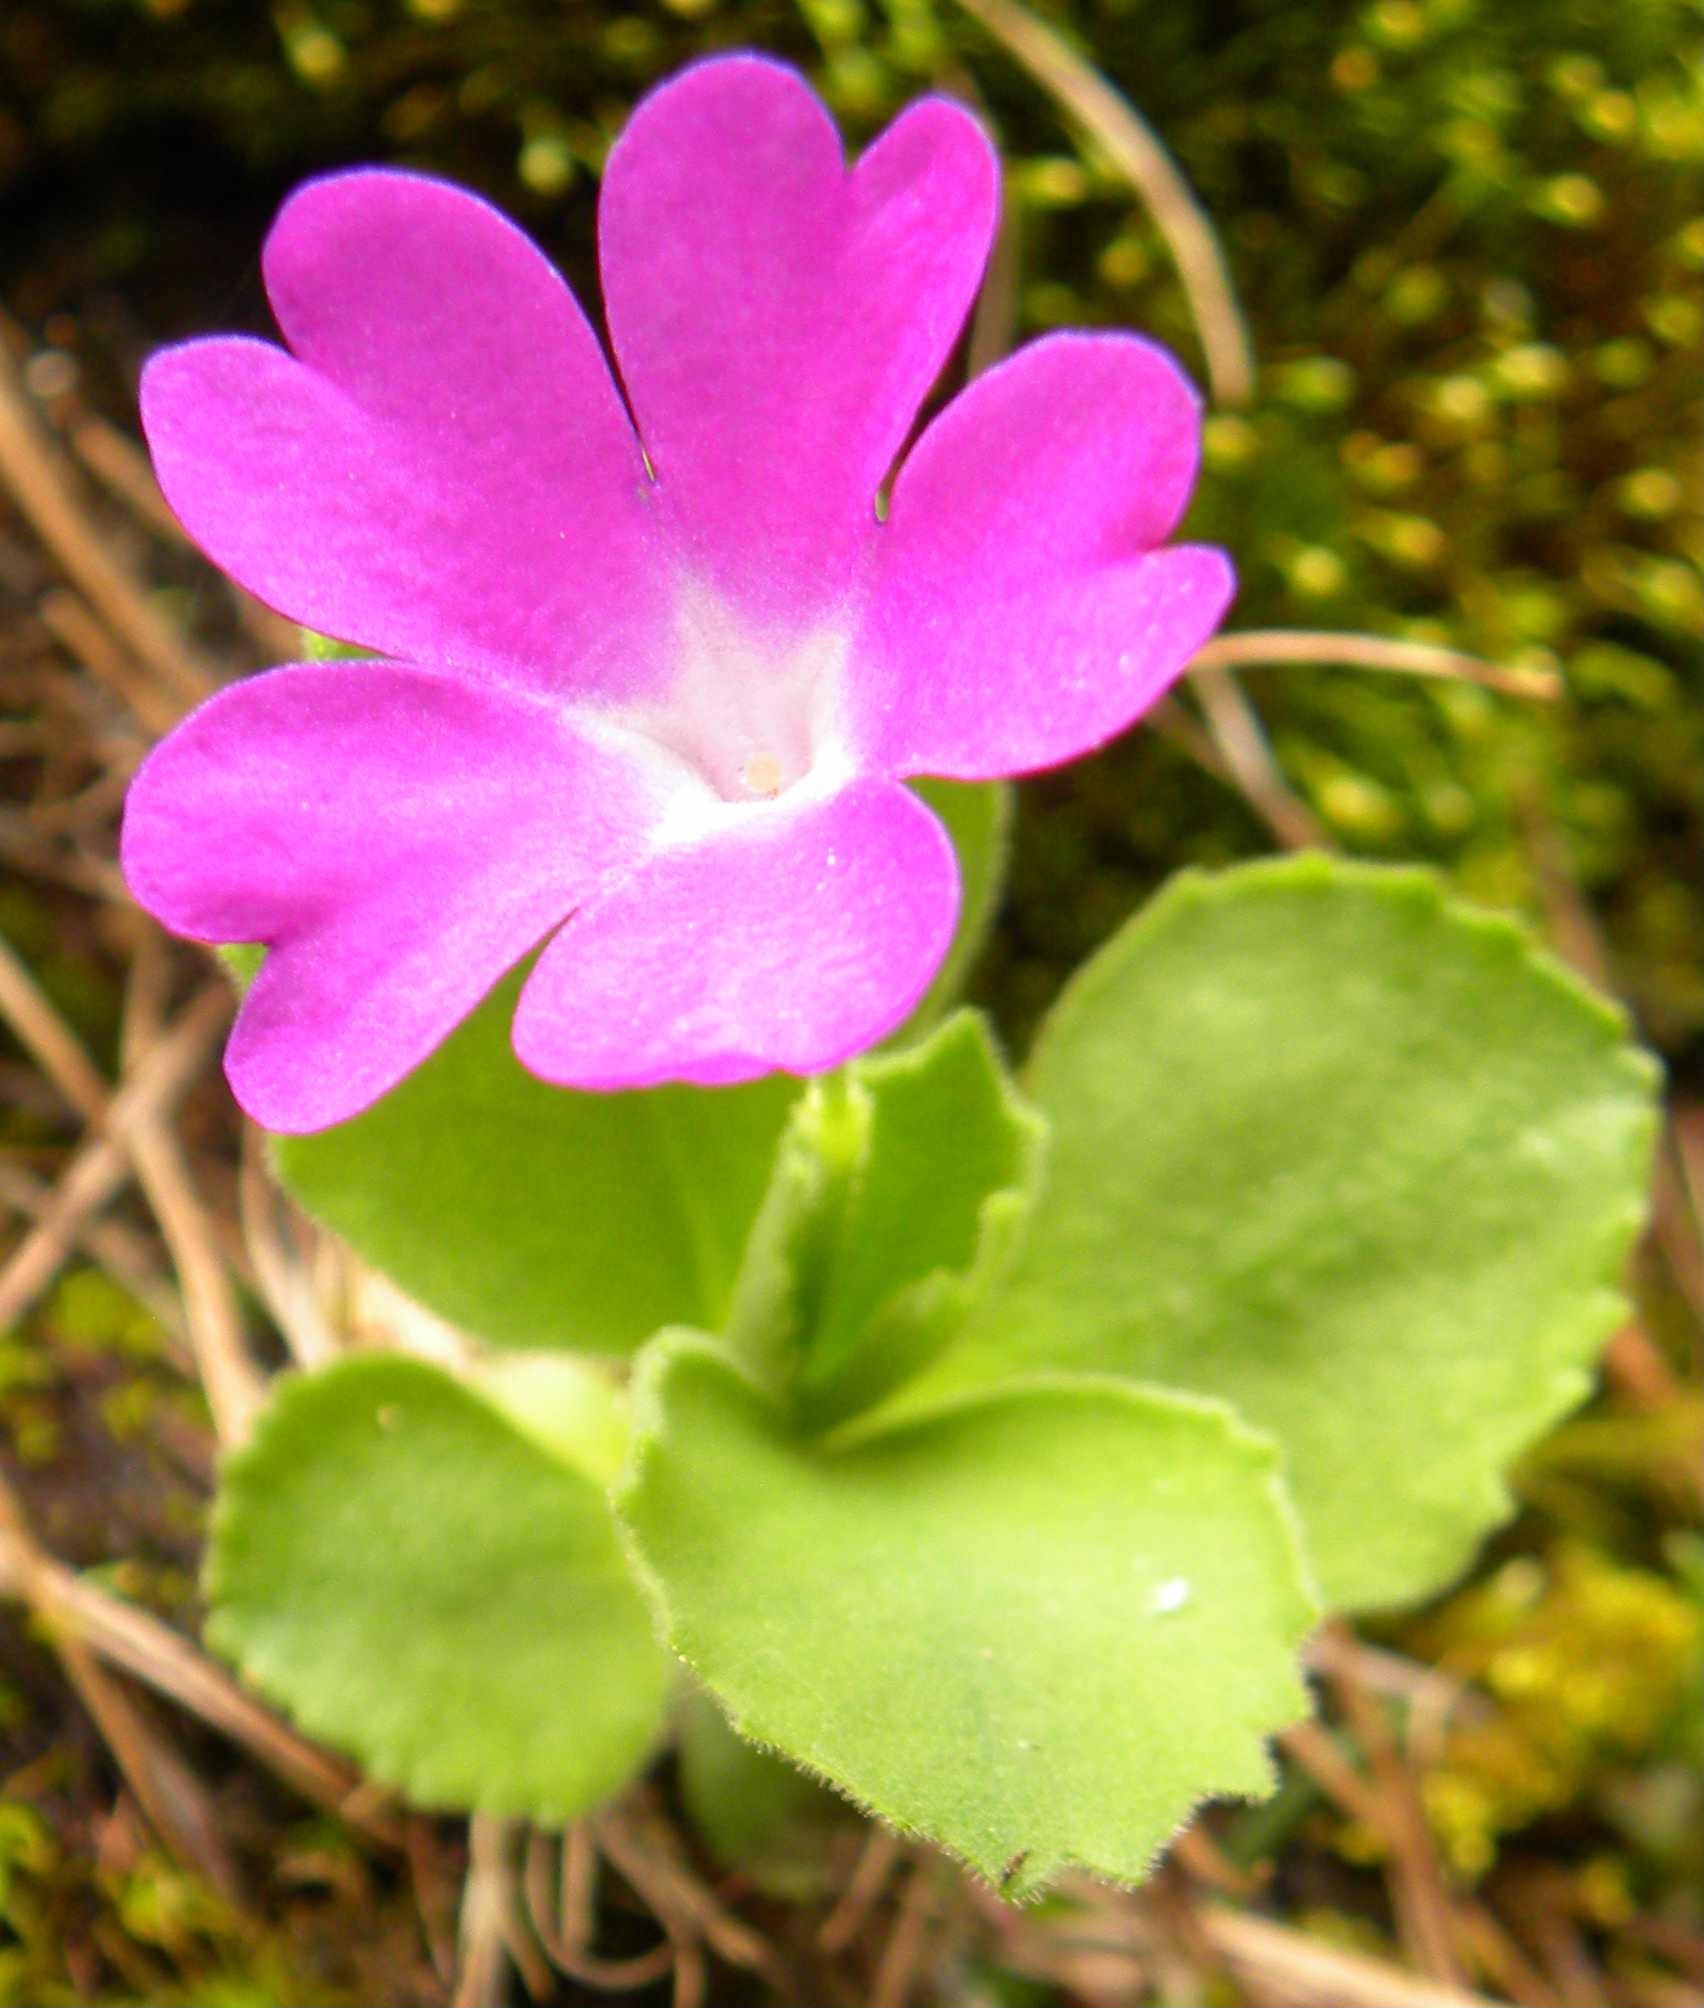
column 422, row 1583
column 899, row 1194
column 1037, row 1627
column 1353, row 1157
column 531, row 1215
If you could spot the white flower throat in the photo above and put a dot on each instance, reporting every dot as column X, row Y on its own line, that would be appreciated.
column 741, row 725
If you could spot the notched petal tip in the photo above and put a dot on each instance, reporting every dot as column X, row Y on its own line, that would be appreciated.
column 937, row 156
column 780, row 314
column 1026, row 608
column 438, row 466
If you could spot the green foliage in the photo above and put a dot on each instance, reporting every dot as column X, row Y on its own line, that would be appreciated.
column 978, row 817
column 539, row 1217
column 535, row 1216
column 422, row 1582
column 1358, row 1161
column 752, row 1810
column 898, row 1194
column 1467, row 240
column 1586, row 1662
column 1038, row 1626
column 979, row 1533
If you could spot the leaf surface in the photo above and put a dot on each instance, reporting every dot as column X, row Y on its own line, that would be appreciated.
column 978, row 818
column 899, row 1194
column 1036, row 1627
column 437, row 1591
column 531, row 1215
column 1358, row 1160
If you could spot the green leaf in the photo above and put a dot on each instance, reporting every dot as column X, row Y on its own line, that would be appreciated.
column 240, row 961
column 424, row 1584
column 534, row 1216
column 978, row 818
column 1356, row 1159
column 317, row 647
column 899, row 1193
column 754, row 1811
column 1037, row 1626
column 571, row 1405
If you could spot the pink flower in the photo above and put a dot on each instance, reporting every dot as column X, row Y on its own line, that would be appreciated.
column 653, row 666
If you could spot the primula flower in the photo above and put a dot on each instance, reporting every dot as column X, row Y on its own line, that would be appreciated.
column 652, row 662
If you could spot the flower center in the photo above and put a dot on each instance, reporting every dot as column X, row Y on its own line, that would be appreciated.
column 746, row 720
column 763, row 775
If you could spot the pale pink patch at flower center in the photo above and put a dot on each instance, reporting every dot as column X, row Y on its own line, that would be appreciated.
column 746, row 720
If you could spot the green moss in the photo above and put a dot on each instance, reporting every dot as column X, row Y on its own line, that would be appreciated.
column 1586, row 1663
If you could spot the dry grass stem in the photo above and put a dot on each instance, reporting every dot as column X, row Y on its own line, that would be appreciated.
column 436, row 1890
column 901, row 1966
column 1432, row 1698
column 235, row 1387
column 1676, row 1219
column 285, row 1284
column 41, row 482
column 1174, row 721
column 1419, row 1895
column 44, row 1034
column 874, row 1866
column 561, row 1908
column 127, row 1256
column 1540, row 1903
column 174, row 1801
column 1196, row 1851
column 1131, row 145
column 1322, row 1976
column 139, row 1644
column 1496, row 1954
column 1311, row 1745
column 233, row 1384
column 643, row 1847
column 163, row 1074
column 88, row 643
column 1178, row 1951
column 1260, row 648
column 483, row 1937
column 28, row 849
column 1241, row 742
column 1569, row 923
column 123, row 470
column 577, row 1884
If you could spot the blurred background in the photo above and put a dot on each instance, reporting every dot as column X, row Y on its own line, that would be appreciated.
column 1443, row 289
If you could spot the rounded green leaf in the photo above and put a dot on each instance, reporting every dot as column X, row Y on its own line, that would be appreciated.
column 1037, row 1627
column 536, row 1216
column 1353, row 1157
column 421, row 1582
column 751, row 1810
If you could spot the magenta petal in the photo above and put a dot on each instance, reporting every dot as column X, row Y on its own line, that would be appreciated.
column 445, row 472
column 396, row 837
column 1021, row 613
column 778, row 320
column 788, row 942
